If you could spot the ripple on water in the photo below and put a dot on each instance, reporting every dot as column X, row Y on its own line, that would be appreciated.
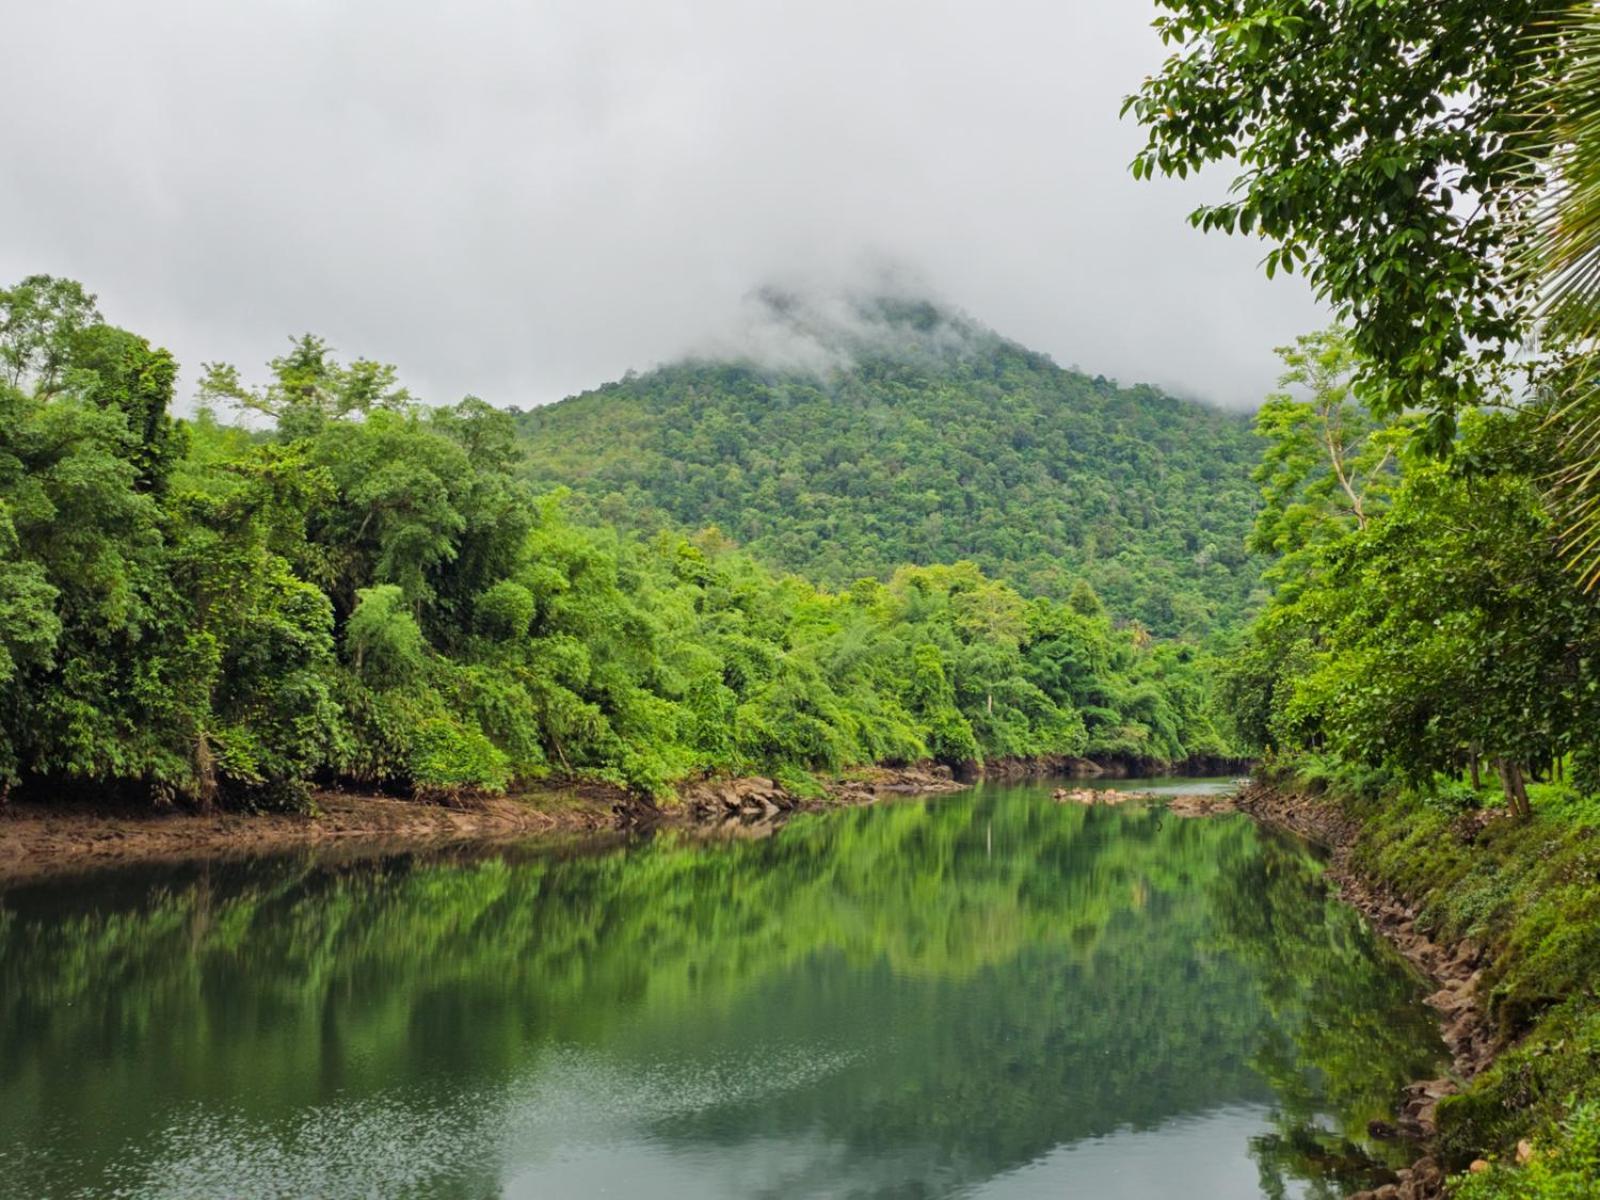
column 413, row 1143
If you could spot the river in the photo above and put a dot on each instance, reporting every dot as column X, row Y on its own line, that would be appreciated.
column 987, row 994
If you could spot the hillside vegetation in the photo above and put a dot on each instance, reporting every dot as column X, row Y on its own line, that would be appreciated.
column 909, row 435
column 367, row 592
column 1430, row 655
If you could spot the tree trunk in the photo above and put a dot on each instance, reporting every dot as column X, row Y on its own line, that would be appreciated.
column 1515, row 789
column 205, row 773
column 1472, row 758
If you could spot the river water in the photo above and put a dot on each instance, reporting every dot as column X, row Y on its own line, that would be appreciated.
column 987, row 994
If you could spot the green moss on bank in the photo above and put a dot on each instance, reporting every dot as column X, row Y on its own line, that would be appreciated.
column 1529, row 893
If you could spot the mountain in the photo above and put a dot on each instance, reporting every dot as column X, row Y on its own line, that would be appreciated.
column 875, row 432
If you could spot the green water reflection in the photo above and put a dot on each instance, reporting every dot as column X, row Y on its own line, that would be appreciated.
column 985, row 995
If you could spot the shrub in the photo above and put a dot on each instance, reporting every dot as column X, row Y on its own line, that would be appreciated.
column 1563, row 1167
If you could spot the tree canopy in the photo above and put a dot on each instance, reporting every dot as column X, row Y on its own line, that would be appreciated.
column 1384, row 149
column 926, row 439
column 369, row 590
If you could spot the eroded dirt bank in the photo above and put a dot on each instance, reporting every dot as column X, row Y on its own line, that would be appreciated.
column 38, row 838
column 1455, row 970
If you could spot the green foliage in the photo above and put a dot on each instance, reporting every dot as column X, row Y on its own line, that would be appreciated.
column 115, row 369
column 92, row 638
column 382, row 640
column 1583, row 769
column 1560, row 250
column 40, row 319
column 1569, row 1170
column 1525, row 892
column 1421, row 621
column 1438, row 640
column 504, row 612
column 931, row 697
column 1381, row 147
column 1329, row 465
column 932, row 441
column 367, row 591
column 309, row 386
column 1401, row 154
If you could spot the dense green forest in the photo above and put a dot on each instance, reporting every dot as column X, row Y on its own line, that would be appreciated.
column 361, row 588
column 1430, row 655
column 1429, row 662
column 1421, row 621
column 920, row 437
column 892, row 536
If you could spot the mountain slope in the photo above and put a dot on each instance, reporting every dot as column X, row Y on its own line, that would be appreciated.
column 900, row 433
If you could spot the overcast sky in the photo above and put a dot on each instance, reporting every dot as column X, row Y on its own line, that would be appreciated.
column 521, row 199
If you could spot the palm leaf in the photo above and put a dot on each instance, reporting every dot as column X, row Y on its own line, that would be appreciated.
column 1560, row 248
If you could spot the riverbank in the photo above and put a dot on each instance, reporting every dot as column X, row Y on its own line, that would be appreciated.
column 1454, row 970
column 1501, row 916
column 38, row 838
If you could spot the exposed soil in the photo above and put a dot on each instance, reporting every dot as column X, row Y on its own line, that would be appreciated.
column 43, row 838
column 39, row 839
column 49, row 838
column 1454, row 969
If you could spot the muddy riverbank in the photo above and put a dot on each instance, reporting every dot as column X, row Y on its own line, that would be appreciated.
column 38, row 838
column 45, row 837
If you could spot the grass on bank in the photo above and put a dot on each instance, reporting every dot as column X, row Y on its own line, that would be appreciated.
column 1529, row 892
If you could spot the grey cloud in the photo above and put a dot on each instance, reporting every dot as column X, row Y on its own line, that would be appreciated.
column 521, row 200
column 821, row 326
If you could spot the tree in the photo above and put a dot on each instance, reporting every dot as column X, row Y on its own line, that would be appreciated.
column 115, row 369
column 913, row 453
column 1382, row 148
column 39, row 320
column 1443, row 630
column 309, row 386
column 84, row 536
column 366, row 592
column 383, row 641
column 1560, row 249
column 1330, row 465
column 29, row 632
column 1436, row 167
column 933, row 700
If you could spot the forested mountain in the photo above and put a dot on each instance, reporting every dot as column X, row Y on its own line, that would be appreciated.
column 898, row 433
column 364, row 591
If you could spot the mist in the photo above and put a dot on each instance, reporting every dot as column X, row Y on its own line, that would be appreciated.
column 521, row 201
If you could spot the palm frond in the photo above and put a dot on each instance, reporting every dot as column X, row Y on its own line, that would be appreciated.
column 1560, row 248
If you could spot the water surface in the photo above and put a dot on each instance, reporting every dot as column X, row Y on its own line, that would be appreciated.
column 1165, row 785
column 983, row 995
